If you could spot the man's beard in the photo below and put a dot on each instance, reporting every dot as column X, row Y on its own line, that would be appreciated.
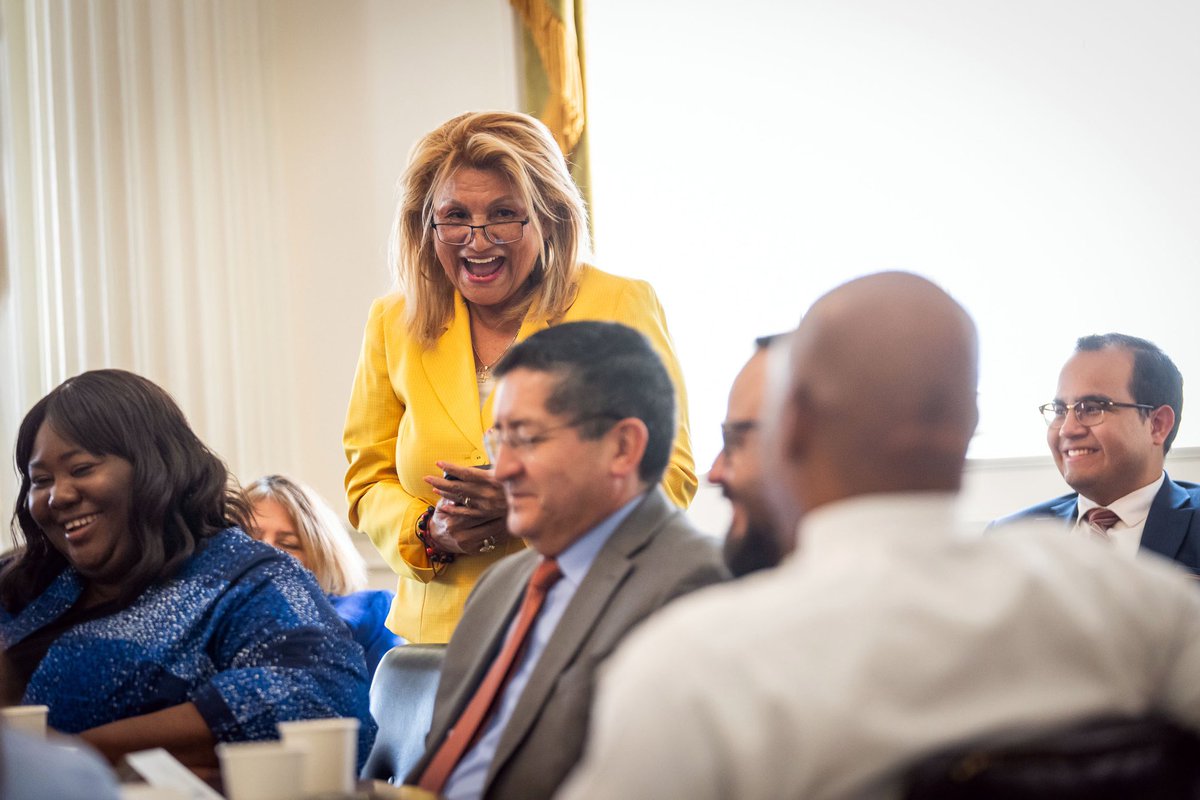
column 756, row 549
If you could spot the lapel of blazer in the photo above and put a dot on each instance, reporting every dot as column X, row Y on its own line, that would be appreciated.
column 453, row 381
column 450, row 370
column 1066, row 509
column 1167, row 523
column 587, row 607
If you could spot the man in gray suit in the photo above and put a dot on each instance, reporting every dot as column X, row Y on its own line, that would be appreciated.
column 584, row 419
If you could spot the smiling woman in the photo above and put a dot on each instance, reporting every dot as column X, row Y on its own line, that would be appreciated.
column 81, row 502
column 137, row 609
column 487, row 245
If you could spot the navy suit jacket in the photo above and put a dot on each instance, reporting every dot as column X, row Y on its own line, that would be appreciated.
column 1172, row 529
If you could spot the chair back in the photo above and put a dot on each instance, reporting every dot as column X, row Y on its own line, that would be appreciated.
column 1101, row 759
column 402, row 704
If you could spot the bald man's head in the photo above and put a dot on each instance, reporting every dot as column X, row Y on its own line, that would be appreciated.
column 877, row 394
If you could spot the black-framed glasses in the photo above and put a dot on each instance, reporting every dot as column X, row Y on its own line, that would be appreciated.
column 1088, row 413
column 733, row 434
column 523, row 441
column 458, row 233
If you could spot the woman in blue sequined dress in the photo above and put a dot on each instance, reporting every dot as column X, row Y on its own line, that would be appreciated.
column 136, row 608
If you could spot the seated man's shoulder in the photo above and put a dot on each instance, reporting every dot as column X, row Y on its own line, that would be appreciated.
column 1192, row 489
column 1055, row 508
column 679, row 548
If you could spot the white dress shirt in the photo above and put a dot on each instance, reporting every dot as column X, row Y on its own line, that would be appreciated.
column 890, row 635
column 1126, row 534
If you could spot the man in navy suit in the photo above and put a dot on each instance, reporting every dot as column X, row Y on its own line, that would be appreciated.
column 1111, row 424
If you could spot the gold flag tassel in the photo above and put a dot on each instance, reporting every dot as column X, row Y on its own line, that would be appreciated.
column 557, row 43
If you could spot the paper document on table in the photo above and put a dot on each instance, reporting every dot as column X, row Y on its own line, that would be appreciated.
column 159, row 768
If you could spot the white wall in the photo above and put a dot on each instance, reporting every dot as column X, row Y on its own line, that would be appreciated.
column 1036, row 158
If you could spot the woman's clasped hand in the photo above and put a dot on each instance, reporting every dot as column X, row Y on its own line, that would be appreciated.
column 469, row 516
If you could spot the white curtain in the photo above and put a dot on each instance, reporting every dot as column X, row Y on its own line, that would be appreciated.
column 138, row 224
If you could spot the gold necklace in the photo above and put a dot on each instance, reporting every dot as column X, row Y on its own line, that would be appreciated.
column 484, row 373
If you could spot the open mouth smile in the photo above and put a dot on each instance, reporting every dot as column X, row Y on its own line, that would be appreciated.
column 74, row 527
column 483, row 269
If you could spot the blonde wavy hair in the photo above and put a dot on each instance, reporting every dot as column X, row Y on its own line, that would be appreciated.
column 332, row 558
column 523, row 150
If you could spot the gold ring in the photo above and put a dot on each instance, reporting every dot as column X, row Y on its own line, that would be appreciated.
column 487, row 545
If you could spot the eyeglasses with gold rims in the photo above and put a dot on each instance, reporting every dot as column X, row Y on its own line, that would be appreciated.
column 522, row 441
column 458, row 233
column 1088, row 413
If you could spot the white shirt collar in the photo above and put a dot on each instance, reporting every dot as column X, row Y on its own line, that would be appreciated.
column 1133, row 508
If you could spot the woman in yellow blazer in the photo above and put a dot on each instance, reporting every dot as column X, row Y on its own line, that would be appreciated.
column 486, row 245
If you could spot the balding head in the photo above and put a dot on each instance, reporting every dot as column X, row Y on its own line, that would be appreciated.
column 877, row 395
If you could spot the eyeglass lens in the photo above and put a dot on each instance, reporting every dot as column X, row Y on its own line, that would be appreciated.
column 494, row 232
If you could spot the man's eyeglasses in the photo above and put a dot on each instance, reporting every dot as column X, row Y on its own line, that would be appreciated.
column 1088, row 413
column 457, row 233
column 733, row 434
column 522, row 441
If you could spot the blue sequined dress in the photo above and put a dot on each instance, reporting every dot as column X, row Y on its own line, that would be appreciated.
column 242, row 631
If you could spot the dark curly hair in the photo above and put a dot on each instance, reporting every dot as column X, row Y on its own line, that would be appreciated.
column 181, row 493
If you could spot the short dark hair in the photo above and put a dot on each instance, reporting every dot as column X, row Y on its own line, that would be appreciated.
column 181, row 491
column 606, row 372
column 1156, row 380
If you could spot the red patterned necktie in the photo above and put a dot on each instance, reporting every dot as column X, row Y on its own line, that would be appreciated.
column 1100, row 520
column 470, row 722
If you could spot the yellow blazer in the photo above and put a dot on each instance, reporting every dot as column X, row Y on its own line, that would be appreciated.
column 412, row 406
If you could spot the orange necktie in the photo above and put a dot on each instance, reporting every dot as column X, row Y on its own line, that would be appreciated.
column 459, row 740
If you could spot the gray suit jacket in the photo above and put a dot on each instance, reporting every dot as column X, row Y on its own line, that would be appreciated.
column 652, row 558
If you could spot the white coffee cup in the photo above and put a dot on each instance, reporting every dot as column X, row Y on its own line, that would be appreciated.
column 332, row 749
column 30, row 720
column 261, row 771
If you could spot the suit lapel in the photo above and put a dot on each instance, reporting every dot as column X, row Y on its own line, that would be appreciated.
column 451, row 372
column 1066, row 510
column 1167, row 523
column 487, row 636
column 585, row 610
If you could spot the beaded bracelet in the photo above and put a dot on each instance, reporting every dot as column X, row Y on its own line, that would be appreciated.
column 438, row 558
